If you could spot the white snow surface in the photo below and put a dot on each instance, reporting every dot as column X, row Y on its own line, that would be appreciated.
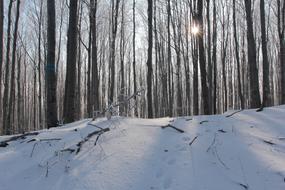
column 245, row 151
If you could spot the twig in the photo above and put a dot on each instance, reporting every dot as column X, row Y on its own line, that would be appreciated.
column 269, row 142
column 171, row 126
column 95, row 126
column 222, row 131
column 213, row 142
column 232, row 114
column 79, row 145
column 203, row 122
column 193, row 141
column 42, row 140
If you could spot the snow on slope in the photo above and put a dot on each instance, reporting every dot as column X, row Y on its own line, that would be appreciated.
column 245, row 151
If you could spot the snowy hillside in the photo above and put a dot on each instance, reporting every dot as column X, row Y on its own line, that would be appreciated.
column 244, row 151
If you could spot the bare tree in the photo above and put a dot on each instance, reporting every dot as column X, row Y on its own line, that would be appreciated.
column 237, row 56
column 266, row 88
column 251, row 54
column 10, row 117
column 52, row 117
column 69, row 113
column 149, row 59
column 205, row 92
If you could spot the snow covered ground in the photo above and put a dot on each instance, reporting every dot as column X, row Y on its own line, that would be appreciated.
column 245, row 151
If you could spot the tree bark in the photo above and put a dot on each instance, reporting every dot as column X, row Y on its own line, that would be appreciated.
column 149, row 59
column 265, row 84
column 241, row 98
column 13, row 63
column 52, row 117
column 6, row 129
column 255, row 101
column 69, row 113
column 205, row 92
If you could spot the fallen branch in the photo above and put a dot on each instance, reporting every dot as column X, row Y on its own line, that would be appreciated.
column 222, row 131
column 203, row 122
column 193, row 141
column 268, row 142
column 243, row 185
column 79, row 145
column 42, row 140
column 95, row 126
column 68, row 150
column 14, row 138
column 232, row 114
column 171, row 126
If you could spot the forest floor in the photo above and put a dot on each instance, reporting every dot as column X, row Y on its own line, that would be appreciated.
column 244, row 151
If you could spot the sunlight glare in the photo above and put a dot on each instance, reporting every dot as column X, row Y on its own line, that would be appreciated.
column 195, row 30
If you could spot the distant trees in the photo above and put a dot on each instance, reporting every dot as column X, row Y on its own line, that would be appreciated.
column 191, row 57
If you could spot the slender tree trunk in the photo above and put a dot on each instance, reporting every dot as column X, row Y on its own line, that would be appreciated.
column 169, row 62
column 6, row 129
column 281, row 34
column 1, row 54
column 210, row 67
column 39, row 64
column 205, row 92
column 241, row 98
column 214, row 59
column 134, row 57
column 149, row 59
column 115, row 12
column 253, row 71
column 266, row 88
column 13, row 63
column 52, row 117
column 95, row 78
column 69, row 113
column 122, row 56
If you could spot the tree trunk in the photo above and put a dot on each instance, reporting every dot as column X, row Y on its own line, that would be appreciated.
column 114, row 26
column 69, row 113
column 95, row 78
column 281, row 34
column 149, row 59
column 134, row 57
column 241, row 98
column 6, row 129
column 266, row 89
column 205, row 92
column 13, row 63
column 52, row 117
column 255, row 101
column 1, row 54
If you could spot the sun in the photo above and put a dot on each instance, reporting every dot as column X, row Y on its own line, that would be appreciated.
column 195, row 30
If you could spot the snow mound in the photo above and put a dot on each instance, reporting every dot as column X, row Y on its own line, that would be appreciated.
column 235, row 151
